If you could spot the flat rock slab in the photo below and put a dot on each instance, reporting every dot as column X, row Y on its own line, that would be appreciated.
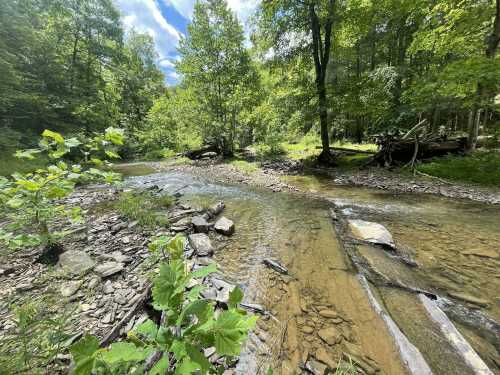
column 76, row 261
column 470, row 299
column 200, row 224
column 70, row 288
column 330, row 335
column 224, row 226
column 371, row 232
column 201, row 244
column 108, row 268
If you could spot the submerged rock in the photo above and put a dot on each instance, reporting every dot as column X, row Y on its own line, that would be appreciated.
column 76, row 262
column 371, row 232
column 201, row 244
column 224, row 226
column 275, row 266
column 330, row 335
column 470, row 299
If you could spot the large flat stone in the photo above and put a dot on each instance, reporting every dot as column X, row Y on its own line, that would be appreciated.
column 330, row 335
column 108, row 268
column 224, row 226
column 76, row 261
column 201, row 244
column 200, row 224
column 371, row 232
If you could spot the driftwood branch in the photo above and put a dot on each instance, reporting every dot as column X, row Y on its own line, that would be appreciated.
column 350, row 150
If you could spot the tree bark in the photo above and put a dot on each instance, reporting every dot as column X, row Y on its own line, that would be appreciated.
column 321, row 55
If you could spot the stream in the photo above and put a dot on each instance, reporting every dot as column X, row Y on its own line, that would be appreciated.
column 322, row 310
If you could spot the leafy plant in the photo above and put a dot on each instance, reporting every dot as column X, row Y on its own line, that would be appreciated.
column 37, row 339
column 31, row 202
column 189, row 325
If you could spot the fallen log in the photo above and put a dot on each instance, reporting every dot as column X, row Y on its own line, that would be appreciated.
column 394, row 150
column 350, row 150
column 196, row 154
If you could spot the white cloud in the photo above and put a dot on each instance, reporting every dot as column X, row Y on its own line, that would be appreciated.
column 145, row 16
column 184, row 7
column 166, row 64
column 243, row 8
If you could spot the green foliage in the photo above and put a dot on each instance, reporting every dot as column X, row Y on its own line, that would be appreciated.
column 481, row 168
column 31, row 201
column 217, row 69
column 144, row 207
column 37, row 339
column 190, row 325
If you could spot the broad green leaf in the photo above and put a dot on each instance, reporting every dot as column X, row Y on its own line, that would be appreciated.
column 198, row 357
column 114, row 135
column 194, row 293
column 85, row 366
column 84, row 348
column 178, row 348
column 235, row 297
column 53, row 135
column 192, row 308
column 15, row 202
column 230, row 330
column 187, row 367
column 148, row 329
column 164, row 286
column 27, row 154
column 125, row 352
column 72, row 142
column 205, row 271
column 176, row 247
column 161, row 367
column 112, row 154
column 29, row 185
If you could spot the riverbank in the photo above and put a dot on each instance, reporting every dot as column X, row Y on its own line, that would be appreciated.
column 270, row 175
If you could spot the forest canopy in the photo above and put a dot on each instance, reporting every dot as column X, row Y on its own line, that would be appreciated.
column 327, row 68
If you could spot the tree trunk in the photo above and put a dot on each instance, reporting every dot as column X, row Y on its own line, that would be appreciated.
column 321, row 55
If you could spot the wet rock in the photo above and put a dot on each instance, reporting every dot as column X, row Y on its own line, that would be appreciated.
column 482, row 253
column 307, row 330
column 471, row 299
column 214, row 210
column 76, row 262
column 200, row 224
column 371, row 232
column 208, row 155
column 275, row 266
column 201, row 244
column 253, row 307
column 224, row 226
column 316, row 368
column 323, row 356
column 108, row 268
column 70, row 288
column 330, row 335
column 328, row 314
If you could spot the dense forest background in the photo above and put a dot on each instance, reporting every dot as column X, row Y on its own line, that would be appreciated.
column 326, row 70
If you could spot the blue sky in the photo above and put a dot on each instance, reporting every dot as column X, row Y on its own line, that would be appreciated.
column 166, row 21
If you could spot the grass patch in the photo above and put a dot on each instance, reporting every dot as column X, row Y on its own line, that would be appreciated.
column 482, row 168
column 10, row 164
column 144, row 207
column 307, row 147
column 243, row 165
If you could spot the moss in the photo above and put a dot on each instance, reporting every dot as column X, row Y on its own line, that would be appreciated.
column 243, row 165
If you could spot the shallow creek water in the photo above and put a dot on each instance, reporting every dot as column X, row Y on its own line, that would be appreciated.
column 456, row 244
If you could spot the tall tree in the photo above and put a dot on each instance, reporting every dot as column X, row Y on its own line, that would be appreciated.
column 295, row 28
column 216, row 66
